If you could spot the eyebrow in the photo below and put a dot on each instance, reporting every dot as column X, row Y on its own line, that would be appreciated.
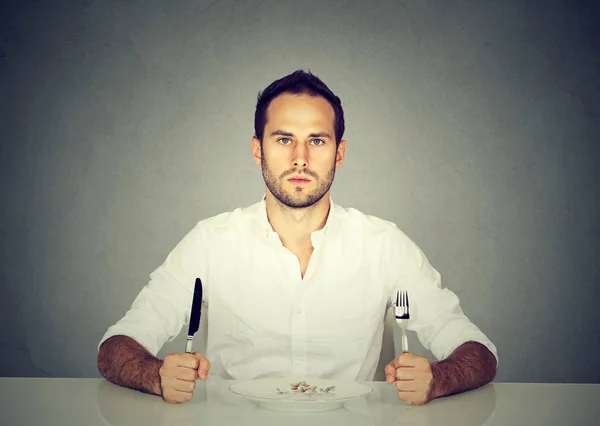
column 280, row 132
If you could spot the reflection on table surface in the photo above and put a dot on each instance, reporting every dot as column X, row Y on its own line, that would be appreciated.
column 97, row 402
column 214, row 404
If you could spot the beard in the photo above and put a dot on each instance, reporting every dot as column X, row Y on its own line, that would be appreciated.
column 300, row 198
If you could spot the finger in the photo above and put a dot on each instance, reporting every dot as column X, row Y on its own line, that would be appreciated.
column 203, row 369
column 174, row 372
column 203, row 366
column 408, row 386
column 182, row 385
column 414, row 398
column 188, row 360
column 176, row 397
column 405, row 360
column 390, row 373
column 186, row 374
column 406, row 373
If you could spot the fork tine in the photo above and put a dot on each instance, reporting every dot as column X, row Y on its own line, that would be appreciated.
column 402, row 309
column 405, row 303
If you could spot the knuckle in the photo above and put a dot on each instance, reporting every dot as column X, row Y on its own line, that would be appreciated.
column 190, row 361
column 420, row 400
column 165, row 376
column 170, row 361
column 168, row 397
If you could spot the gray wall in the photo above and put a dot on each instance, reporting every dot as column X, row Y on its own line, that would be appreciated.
column 472, row 125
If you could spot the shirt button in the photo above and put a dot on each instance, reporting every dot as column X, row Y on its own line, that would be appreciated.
column 298, row 311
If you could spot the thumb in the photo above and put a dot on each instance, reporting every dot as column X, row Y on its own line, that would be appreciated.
column 390, row 373
column 203, row 365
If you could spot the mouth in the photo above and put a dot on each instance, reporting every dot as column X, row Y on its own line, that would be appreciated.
column 298, row 181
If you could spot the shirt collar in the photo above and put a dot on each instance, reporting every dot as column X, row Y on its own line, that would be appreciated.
column 316, row 237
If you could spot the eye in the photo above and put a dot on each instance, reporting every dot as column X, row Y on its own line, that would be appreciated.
column 285, row 141
column 318, row 142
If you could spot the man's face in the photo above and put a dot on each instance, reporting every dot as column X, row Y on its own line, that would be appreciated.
column 299, row 155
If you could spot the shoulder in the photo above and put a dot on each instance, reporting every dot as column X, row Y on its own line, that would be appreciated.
column 229, row 221
column 371, row 225
column 372, row 230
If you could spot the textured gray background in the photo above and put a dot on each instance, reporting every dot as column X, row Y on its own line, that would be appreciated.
column 472, row 125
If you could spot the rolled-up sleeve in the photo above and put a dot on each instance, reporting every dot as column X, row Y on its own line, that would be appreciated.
column 435, row 312
column 162, row 308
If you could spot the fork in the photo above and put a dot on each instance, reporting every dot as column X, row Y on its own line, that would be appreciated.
column 402, row 316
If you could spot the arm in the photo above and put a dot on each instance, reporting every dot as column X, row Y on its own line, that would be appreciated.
column 124, row 362
column 127, row 352
column 469, row 357
column 470, row 366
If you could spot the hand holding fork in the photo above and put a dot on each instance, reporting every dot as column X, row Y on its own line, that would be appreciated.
column 410, row 373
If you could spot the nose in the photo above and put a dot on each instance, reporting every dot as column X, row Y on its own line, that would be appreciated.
column 300, row 154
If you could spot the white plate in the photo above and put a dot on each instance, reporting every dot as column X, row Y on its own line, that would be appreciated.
column 312, row 395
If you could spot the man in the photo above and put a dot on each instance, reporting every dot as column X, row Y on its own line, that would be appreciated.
column 296, row 285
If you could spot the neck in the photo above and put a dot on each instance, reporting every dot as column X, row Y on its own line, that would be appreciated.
column 295, row 225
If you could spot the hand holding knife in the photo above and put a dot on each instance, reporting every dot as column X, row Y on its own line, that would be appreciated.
column 175, row 370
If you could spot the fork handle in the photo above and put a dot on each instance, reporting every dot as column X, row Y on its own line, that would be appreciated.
column 404, row 342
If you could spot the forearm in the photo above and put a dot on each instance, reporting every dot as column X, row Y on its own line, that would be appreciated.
column 124, row 362
column 470, row 366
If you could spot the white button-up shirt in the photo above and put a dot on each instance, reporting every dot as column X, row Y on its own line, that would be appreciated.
column 266, row 320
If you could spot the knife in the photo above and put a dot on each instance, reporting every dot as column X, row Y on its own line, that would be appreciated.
column 195, row 315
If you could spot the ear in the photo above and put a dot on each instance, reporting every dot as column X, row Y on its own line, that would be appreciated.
column 256, row 151
column 340, row 154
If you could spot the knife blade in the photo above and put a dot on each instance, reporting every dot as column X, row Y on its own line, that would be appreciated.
column 194, row 315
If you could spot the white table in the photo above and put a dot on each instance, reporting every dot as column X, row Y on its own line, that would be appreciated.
column 55, row 401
